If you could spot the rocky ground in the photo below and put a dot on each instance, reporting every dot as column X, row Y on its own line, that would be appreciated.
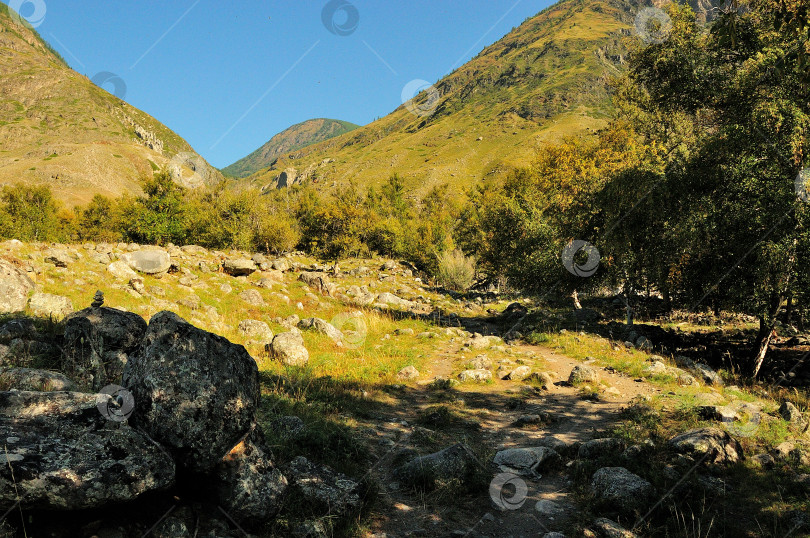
column 225, row 394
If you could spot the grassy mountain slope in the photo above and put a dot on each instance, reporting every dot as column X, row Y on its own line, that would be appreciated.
column 544, row 80
column 291, row 139
column 58, row 128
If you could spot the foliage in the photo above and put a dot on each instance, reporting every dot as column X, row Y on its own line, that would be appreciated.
column 456, row 271
column 30, row 213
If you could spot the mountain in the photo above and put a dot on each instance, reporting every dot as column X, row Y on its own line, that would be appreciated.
column 291, row 139
column 58, row 128
column 546, row 79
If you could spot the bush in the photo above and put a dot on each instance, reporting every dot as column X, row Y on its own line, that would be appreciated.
column 456, row 271
column 277, row 233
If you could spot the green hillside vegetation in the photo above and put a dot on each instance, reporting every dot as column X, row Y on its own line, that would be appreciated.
column 546, row 79
column 59, row 129
column 291, row 139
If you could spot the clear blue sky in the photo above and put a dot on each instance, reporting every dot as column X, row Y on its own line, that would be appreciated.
column 228, row 77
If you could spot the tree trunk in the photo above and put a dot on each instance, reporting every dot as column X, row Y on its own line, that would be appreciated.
column 764, row 336
column 575, row 297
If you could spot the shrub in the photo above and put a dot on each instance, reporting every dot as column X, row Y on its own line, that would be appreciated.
column 456, row 271
column 277, row 233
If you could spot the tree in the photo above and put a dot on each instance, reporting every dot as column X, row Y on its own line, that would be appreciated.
column 159, row 216
column 31, row 214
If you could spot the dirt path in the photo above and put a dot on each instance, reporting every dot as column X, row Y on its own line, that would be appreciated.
column 547, row 504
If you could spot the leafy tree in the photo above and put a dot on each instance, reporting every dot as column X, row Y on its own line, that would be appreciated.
column 159, row 216
column 31, row 214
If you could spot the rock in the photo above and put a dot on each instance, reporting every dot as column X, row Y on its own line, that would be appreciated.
column 122, row 271
column 601, row 448
column 14, row 288
column 280, row 265
column 31, row 379
column 622, row 490
column 322, row 490
column 544, row 379
column 239, row 267
column 475, row 375
column 256, row 330
column 196, row 393
column 66, row 455
column 720, row 413
column 97, row 345
column 582, row 374
column 455, row 464
column 482, row 342
column 713, row 444
column 50, row 306
column 318, row 281
column 150, row 261
column 59, row 258
column 587, row 315
column 709, row 376
column 392, row 300
column 529, row 461
column 18, row 328
column 408, row 373
column 481, row 362
column 532, row 420
column 656, row 368
column 794, row 416
column 287, row 427
column 249, row 487
column 289, row 349
column 519, row 373
column 406, row 331
column 252, row 297
column 322, row 326
column 644, row 344
column 606, row 528
column 685, row 379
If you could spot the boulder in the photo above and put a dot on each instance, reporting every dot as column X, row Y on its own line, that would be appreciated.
column 256, row 330
column 455, row 464
column 249, row 487
column 392, row 300
column 600, row 448
column 14, row 288
column 709, row 376
column 323, row 327
column 582, row 374
column 622, row 490
column 57, row 257
column 121, row 271
column 318, row 281
column 98, row 342
column 61, row 453
column 408, row 373
column 289, row 349
column 607, row 528
column 31, row 379
column 50, row 306
column 794, row 416
column 475, row 375
column 151, row 261
column 252, row 297
column 520, row 373
column 712, row 445
column 18, row 328
column 322, row 491
column 239, row 267
column 529, row 461
column 195, row 392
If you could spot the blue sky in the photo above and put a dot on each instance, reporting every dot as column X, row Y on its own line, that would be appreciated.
column 228, row 77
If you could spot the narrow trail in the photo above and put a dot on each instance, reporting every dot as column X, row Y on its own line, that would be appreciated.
column 575, row 419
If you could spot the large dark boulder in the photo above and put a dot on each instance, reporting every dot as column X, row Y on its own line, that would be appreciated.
column 98, row 342
column 61, row 452
column 195, row 392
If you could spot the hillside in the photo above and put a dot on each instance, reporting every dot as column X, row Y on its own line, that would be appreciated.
column 545, row 80
column 291, row 139
column 58, row 128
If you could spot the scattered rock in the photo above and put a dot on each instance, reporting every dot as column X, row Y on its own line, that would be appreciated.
column 481, row 362
column 252, row 297
column 148, row 261
column 794, row 416
column 318, row 281
column 455, row 464
column 322, row 326
column 713, row 444
column 607, row 528
column 527, row 461
column 51, row 306
column 66, row 455
column 14, row 288
column 322, row 490
column 408, row 373
column 239, row 267
column 582, row 374
column 709, row 376
column 59, row 258
column 289, row 349
column 31, row 379
column 720, row 413
column 256, row 330
column 475, row 375
column 600, row 448
column 122, row 271
column 622, row 490
column 195, row 392
column 519, row 373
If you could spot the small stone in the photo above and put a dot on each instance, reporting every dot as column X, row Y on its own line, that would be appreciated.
column 98, row 300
